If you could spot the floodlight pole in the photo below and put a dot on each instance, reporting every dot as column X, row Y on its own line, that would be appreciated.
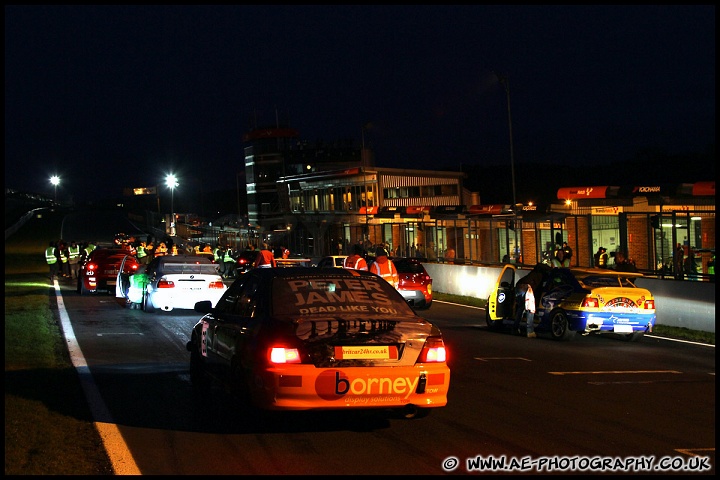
column 505, row 82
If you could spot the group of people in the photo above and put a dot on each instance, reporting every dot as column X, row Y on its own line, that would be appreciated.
column 622, row 262
column 382, row 266
column 685, row 266
column 64, row 258
column 226, row 257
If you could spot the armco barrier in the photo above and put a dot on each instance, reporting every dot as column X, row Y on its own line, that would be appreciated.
column 679, row 303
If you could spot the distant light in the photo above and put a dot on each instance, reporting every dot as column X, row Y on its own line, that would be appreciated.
column 171, row 181
column 55, row 180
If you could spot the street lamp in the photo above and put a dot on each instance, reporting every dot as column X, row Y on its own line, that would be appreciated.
column 55, row 180
column 171, row 182
column 504, row 81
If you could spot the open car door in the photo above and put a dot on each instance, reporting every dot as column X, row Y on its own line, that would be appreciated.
column 501, row 303
column 122, row 283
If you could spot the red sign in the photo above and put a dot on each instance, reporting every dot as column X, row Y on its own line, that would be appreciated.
column 577, row 193
column 485, row 209
column 369, row 211
column 703, row 189
column 417, row 210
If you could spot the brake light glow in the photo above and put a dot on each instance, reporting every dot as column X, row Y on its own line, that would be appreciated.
column 217, row 284
column 284, row 355
column 433, row 351
column 91, row 266
column 166, row 284
column 649, row 304
column 590, row 302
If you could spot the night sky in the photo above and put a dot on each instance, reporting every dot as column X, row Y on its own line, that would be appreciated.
column 110, row 97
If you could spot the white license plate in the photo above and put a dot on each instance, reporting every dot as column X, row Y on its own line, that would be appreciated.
column 623, row 329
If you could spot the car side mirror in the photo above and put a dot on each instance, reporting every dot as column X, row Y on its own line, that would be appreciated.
column 204, row 306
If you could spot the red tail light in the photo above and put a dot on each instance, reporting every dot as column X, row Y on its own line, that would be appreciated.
column 166, row 284
column 131, row 268
column 433, row 351
column 590, row 302
column 649, row 304
column 91, row 266
column 217, row 284
column 284, row 355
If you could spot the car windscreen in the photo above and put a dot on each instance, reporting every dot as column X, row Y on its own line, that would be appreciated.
column 313, row 295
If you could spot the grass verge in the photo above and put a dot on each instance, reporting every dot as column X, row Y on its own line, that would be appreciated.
column 48, row 426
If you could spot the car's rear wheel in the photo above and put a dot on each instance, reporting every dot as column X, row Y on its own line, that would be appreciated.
column 237, row 385
column 147, row 304
column 559, row 325
column 198, row 376
column 634, row 337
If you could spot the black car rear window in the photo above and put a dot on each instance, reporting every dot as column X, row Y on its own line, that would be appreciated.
column 607, row 281
column 409, row 267
column 312, row 295
column 190, row 268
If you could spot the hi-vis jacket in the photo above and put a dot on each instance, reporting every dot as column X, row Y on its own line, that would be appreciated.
column 74, row 254
column 50, row 255
column 385, row 268
column 355, row 262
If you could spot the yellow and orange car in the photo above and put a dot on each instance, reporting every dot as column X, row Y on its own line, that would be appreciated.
column 319, row 339
column 578, row 300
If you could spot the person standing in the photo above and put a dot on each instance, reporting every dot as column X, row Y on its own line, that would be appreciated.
column 74, row 259
column 711, row 268
column 622, row 264
column 356, row 261
column 430, row 253
column 560, row 260
column 690, row 267
column 601, row 258
column 568, row 252
column 229, row 261
column 64, row 259
column 217, row 254
column 450, row 255
column 141, row 254
column 678, row 262
column 161, row 250
column 149, row 249
column 265, row 258
column 527, row 290
column 52, row 259
column 385, row 268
